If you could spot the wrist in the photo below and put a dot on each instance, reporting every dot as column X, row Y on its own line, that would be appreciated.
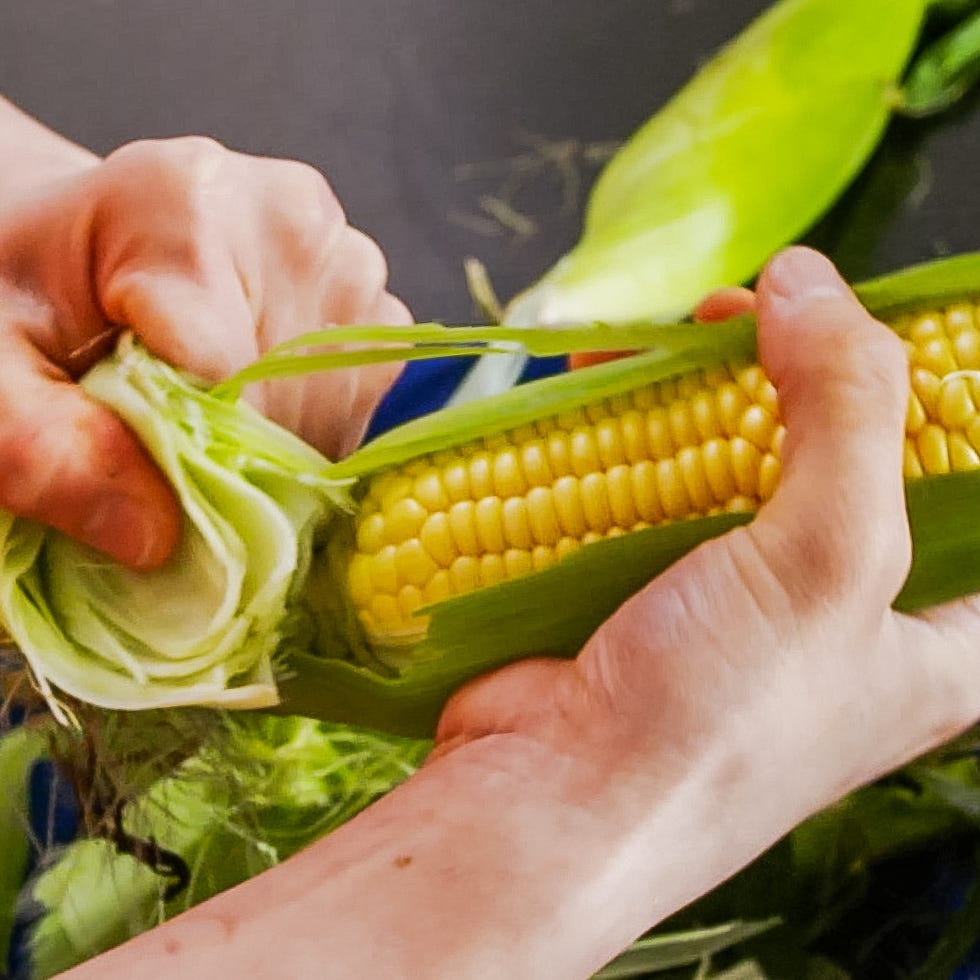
column 32, row 156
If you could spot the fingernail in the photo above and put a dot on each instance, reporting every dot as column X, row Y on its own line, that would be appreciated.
column 799, row 276
column 124, row 529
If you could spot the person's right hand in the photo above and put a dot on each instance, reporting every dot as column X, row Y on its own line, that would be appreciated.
column 211, row 257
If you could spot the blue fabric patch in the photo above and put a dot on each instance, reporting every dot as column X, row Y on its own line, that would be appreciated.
column 425, row 386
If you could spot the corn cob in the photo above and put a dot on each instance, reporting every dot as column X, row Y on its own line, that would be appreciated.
column 707, row 442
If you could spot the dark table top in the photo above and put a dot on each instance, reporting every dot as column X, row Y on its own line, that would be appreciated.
column 417, row 110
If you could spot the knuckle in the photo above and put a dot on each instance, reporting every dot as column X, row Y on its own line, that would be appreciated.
column 369, row 258
column 176, row 167
column 307, row 211
column 821, row 568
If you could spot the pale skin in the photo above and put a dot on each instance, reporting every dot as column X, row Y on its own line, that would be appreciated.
column 571, row 805
column 210, row 257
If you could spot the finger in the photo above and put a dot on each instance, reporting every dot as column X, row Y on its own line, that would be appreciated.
column 70, row 463
column 837, row 523
column 725, row 303
column 354, row 279
column 203, row 324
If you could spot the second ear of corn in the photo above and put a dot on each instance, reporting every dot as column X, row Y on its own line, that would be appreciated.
column 707, row 442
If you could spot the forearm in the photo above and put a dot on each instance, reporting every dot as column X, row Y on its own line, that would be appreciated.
column 499, row 860
column 31, row 154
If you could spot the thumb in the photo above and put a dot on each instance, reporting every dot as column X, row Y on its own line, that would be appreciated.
column 69, row 462
column 838, row 518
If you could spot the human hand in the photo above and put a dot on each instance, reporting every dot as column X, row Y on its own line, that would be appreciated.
column 764, row 675
column 211, row 257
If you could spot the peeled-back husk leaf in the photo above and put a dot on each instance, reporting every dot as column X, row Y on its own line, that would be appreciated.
column 206, row 628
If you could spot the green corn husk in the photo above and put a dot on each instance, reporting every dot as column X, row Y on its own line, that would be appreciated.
column 744, row 159
column 326, row 669
column 256, row 791
column 554, row 611
column 205, row 628
column 740, row 162
column 19, row 750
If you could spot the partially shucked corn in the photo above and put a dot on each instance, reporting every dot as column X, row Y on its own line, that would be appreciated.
column 703, row 443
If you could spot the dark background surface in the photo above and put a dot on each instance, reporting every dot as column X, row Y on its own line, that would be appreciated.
column 395, row 100
column 415, row 109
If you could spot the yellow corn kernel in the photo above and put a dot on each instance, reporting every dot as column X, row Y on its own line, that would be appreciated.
column 542, row 515
column 568, row 506
column 769, row 471
column 962, row 456
column 926, row 386
column 404, row 520
column 911, row 466
column 595, row 501
column 462, row 524
column 609, row 443
column 956, row 406
column 534, row 458
column 659, row 439
column 560, row 453
column 718, row 469
column 926, row 328
column 745, row 466
column 748, row 378
column 489, row 514
column 438, row 588
column 690, row 464
column 645, row 493
column 492, row 569
column 621, row 502
column 682, row 428
column 709, row 442
column 413, row 563
column 430, row 492
column 371, row 534
column 385, row 611
column 437, row 538
column 585, row 452
column 481, row 474
column 517, row 525
column 732, row 403
column 464, row 574
column 508, row 478
column 517, row 562
column 935, row 355
column 542, row 557
column 566, row 546
column 456, row 479
column 933, row 449
column 384, row 574
column 966, row 348
column 633, row 428
column 704, row 415
column 758, row 426
column 409, row 599
column 670, row 489
column 915, row 416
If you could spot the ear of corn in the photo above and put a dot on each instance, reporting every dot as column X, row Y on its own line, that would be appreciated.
column 546, row 498
column 468, row 552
